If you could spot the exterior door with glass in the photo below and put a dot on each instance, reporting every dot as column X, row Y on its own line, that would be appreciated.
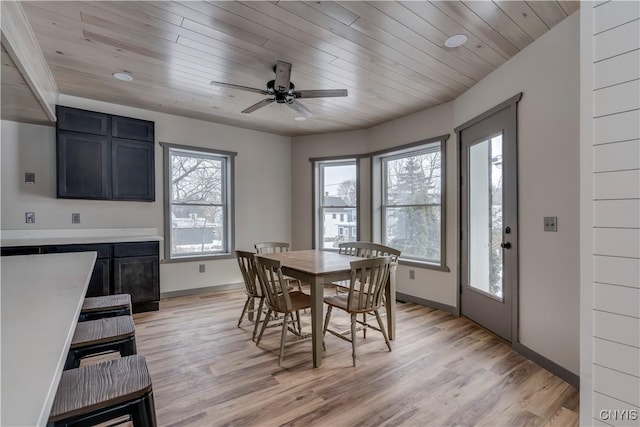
column 489, row 229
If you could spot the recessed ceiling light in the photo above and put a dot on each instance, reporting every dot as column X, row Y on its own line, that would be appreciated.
column 122, row 76
column 299, row 118
column 456, row 40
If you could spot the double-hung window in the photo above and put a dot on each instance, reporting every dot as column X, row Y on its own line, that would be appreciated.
column 198, row 202
column 336, row 202
column 411, row 192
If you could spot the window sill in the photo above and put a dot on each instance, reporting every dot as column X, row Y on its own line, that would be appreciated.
column 423, row 264
column 197, row 258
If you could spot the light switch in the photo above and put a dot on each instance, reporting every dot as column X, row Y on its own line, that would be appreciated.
column 30, row 177
column 550, row 223
column 75, row 218
column 30, row 217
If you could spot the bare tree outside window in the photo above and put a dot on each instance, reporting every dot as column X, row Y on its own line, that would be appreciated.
column 198, row 203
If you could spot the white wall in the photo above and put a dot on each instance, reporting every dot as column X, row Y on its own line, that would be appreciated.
column 334, row 144
column 261, row 192
column 547, row 73
column 612, row 291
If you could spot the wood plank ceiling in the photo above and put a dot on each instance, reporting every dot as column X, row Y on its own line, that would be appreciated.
column 389, row 55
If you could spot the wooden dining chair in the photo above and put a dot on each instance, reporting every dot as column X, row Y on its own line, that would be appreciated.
column 271, row 247
column 364, row 250
column 366, row 290
column 246, row 262
column 275, row 247
column 279, row 299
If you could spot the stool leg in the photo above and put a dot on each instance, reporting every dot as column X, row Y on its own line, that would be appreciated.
column 72, row 361
column 144, row 413
column 128, row 348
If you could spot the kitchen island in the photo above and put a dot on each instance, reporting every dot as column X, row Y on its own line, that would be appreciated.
column 41, row 299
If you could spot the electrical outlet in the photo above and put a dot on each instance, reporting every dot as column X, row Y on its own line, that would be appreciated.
column 30, row 217
column 30, row 177
column 75, row 218
column 550, row 223
column 201, row 268
column 412, row 274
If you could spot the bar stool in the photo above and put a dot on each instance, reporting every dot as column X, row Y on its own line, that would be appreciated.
column 98, row 393
column 102, row 335
column 105, row 306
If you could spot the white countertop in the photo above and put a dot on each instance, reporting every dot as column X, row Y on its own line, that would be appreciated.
column 41, row 299
column 77, row 236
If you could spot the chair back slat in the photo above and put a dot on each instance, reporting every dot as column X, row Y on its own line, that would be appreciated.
column 271, row 247
column 248, row 269
column 274, row 287
column 368, row 250
column 368, row 280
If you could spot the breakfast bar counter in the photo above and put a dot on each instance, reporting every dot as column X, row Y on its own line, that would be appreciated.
column 41, row 299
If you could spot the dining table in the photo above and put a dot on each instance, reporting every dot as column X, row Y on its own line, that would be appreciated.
column 318, row 268
column 42, row 297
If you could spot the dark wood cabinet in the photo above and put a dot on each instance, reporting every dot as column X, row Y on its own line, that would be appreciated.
column 132, row 268
column 83, row 166
column 82, row 121
column 132, row 170
column 99, row 284
column 104, row 157
column 137, row 276
column 127, row 128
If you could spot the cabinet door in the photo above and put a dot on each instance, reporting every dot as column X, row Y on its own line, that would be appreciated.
column 128, row 128
column 83, row 166
column 100, row 278
column 133, row 170
column 137, row 276
column 82, row 120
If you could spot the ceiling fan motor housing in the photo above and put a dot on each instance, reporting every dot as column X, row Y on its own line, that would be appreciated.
column 280, row 94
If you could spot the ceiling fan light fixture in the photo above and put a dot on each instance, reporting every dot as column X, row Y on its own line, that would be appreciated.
column 125, row 77
column 456, row 40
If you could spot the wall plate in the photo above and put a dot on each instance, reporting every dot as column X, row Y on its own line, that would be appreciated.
column 550, row 223
column 75, row 218
column 30, row 217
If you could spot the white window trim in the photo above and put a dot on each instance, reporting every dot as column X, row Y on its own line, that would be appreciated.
column 230, row 203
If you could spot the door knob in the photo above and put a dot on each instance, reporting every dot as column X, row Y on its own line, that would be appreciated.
column 505, row 245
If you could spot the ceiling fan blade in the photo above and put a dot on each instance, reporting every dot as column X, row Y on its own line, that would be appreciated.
column 328, row 93
column 245, row 88
column 283, row 76
column 297, row 106
column 259, row 105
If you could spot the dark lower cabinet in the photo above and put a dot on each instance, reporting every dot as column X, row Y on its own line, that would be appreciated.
column 137, row 276
column 132, row 268
column 99, row 284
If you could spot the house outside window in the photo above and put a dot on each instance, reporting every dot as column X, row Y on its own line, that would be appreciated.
column 198, row 202
column 336, row 202
column 411, row 214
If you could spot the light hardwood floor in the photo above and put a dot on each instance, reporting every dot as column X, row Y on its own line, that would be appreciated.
column 442, row 371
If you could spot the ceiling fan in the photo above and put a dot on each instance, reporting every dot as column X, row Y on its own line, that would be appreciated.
column 282, row 91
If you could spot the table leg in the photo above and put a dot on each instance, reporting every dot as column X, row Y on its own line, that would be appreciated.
column 317, row 306
column 390, row 295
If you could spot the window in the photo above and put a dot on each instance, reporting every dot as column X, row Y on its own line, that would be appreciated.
column 336, row 201
column 411, row 215
column 198, row 202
